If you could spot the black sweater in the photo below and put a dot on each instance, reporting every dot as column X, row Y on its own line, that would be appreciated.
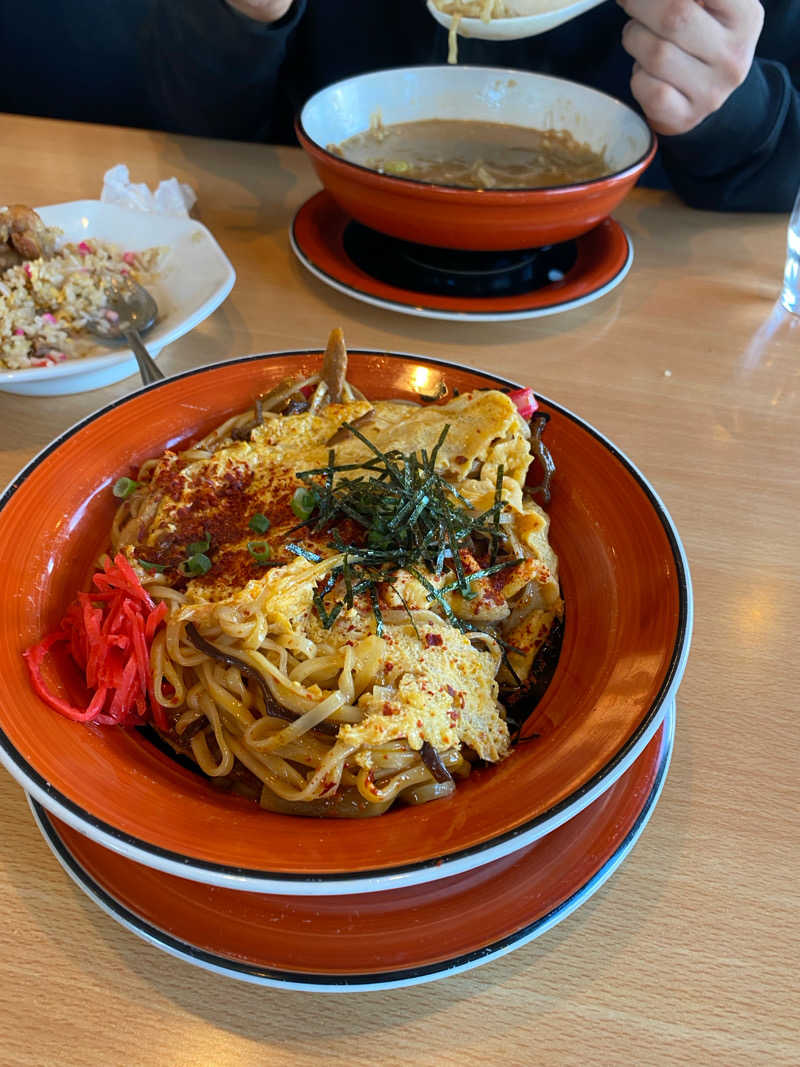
column 213, row 72
column 218, row 73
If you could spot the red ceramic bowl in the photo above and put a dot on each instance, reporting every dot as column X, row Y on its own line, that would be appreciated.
column 628, row 619
column 473, row 218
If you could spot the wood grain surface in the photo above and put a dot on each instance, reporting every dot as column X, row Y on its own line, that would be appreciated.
column 689, row 953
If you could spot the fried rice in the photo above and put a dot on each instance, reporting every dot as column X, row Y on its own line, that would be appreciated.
column 45, row 303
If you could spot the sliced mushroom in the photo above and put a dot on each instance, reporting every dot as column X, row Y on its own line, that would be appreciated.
column 344, row 431
column 433, row 761
column 242, row 433
column 273, row 708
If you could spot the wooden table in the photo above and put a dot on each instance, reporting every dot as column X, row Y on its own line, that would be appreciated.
column 689, row 953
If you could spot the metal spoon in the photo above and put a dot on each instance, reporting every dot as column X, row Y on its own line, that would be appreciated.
column 129, row 311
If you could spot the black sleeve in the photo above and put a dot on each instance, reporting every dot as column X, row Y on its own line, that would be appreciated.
column 746, row 156
column 215, row 72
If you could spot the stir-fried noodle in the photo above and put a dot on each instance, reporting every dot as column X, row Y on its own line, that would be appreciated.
column 350, row 587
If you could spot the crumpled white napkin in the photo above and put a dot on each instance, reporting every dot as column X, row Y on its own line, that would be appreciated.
column 170, row 198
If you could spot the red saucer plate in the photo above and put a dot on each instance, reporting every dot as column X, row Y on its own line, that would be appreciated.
column 316, row 235
column 376, row 940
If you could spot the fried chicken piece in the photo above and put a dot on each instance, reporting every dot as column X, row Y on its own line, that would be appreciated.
column 23, row 236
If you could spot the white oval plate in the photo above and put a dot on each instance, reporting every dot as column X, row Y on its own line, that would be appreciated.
column 195, row 278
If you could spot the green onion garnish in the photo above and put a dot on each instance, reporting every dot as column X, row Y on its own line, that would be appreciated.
column 198, row 547
column 260, row 551
column 147, row 566
column 199, row 563
column 303, row 503
column 124, row 487
column 260, row 523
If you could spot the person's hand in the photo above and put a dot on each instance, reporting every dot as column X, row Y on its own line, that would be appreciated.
column 261, row 10
column 689, row 56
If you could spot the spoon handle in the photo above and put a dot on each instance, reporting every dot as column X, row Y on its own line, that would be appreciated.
column 147, row 367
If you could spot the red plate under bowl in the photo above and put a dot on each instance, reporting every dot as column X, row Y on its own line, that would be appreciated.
column 393, row 939
column 628, row 620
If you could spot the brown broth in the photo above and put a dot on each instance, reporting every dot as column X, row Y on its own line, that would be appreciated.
column 474, row 154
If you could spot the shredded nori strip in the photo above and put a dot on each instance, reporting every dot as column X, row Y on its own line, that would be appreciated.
column 298, row 550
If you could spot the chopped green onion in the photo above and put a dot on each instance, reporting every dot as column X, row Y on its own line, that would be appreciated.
column 326, row 618
column 147, row 566
column 124, row 487
column 260, row 551
column 303, row 503
column 196, row 564
column 260, row 523
column 197, row 547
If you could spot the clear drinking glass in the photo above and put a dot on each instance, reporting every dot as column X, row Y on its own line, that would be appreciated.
column 790, row 294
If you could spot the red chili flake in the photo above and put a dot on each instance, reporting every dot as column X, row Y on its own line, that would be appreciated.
column 433, row 639
column 500, row 579
column 419, row 724
column 460, row 459
column 389, row 665
column 388, row 709
column 468, row 560
column 369, row 782
column 453, row 716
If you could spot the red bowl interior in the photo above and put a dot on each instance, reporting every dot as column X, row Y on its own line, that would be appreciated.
column 623, row 582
